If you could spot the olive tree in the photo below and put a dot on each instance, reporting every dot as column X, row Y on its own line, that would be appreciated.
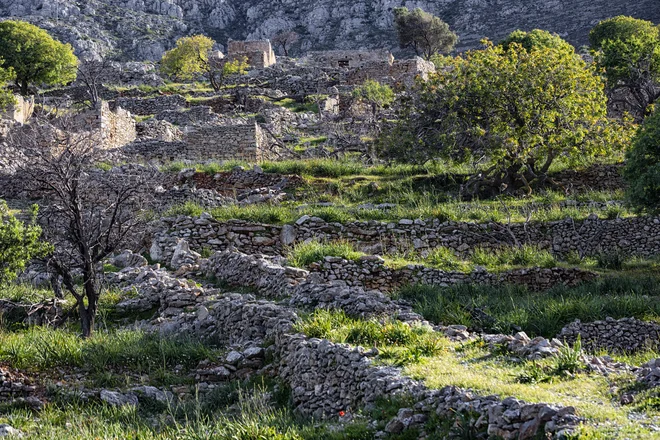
column 628, row 50
column 423, row 32
column 522, row 109
column 194, row 56
column 35, row 56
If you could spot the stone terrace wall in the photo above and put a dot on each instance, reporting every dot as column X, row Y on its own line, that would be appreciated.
column 635, row 235
column 151, row 106
column 624, row 335
column 327, row 378
column 370, row 272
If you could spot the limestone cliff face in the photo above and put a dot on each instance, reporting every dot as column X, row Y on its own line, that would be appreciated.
column 142, row 29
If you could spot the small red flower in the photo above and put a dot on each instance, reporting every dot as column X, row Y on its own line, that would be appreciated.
column 342, row 413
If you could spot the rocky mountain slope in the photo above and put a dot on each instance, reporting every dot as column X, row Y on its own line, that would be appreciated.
column 142, row 29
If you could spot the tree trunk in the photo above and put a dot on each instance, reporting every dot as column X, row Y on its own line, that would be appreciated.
column 86, row 321
column 88, row 314
column 24, row 87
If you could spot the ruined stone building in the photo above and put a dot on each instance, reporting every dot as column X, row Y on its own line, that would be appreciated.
column 348, row 58
column 245, row 141
column 259, row 53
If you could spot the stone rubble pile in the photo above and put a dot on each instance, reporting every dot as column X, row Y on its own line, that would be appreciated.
column 354, row 301
column 17, row 388
column 522, row 345
column 266, row 274
column 649, row 373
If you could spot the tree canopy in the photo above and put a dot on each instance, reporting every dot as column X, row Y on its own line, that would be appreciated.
column 423, row 32
column 35, row 56
column 6, row 97
column 193, row 56
column 374, row 93
column 536, row 39
column 189, row 58
column 19, row 243
column 628, row 50
column 642, row 170
column 523, row 109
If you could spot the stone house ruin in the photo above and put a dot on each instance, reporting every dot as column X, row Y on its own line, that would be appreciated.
column 349, row 58
column 396, row 72
column 20, row 111
column 115, row 126
column 246, row 141
column 226, row 142
column 259, row 53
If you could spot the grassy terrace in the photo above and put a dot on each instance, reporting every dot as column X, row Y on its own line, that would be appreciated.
column 63, row 366
column 562, row 381
column 343, row 191
column 595, row 397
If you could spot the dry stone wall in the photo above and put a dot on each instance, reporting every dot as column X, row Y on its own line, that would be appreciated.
column 624, row 335
column 633, row 236
column 151, row 106
column 370, row 272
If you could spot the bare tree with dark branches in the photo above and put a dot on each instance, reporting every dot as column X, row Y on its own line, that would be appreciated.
column 93, row 74
column 284, row 40
column 89, row 213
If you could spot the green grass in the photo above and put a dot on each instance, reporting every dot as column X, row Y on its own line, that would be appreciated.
column 247, row 411
column 40, row 348
column 509, row 308
column 510, row 256
column 472, row 366
column 305, row 253
column 398, row 343
column 297, row 107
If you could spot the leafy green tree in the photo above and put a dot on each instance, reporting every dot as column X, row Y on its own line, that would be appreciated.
column 628, row 50
column 6, row 97
column 375, row 94
column 35, row 56
column 189, row 58
column 536, row 39
column 194, row 56
column 224, row 69
column 19, row 243
column 423, row 32
column 642, row 170
column 522, row 109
